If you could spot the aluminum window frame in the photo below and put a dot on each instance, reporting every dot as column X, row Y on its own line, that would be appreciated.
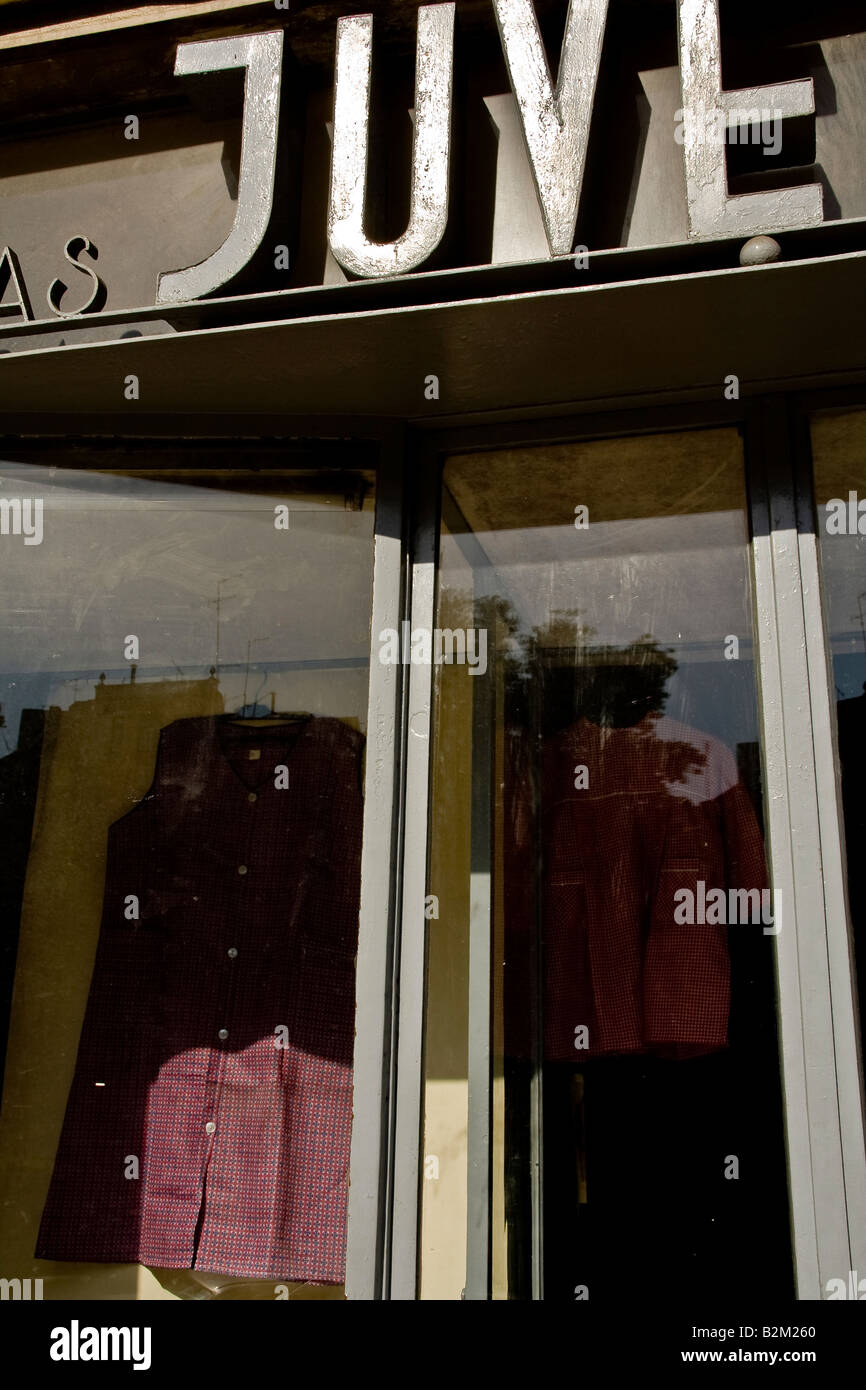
column 848, row 1044
column 822, row 1084
column 820, row 1079
column 315, row 446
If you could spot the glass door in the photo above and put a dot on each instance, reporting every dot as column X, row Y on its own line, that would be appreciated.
column 602, row 1097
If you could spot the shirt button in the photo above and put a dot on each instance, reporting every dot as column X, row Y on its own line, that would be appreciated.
column 223, row 1034
column 252, row 796
column 232, row 952
column 209, row 1127
column 242, row 868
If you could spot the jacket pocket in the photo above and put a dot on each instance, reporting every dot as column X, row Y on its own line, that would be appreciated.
column 324, row 1002
column 689, row 868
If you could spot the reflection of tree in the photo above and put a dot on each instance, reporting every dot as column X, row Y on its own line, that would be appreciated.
column 613, row 686
column 556, row 675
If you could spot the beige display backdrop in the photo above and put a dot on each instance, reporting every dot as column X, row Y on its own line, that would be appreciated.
column 97, row 763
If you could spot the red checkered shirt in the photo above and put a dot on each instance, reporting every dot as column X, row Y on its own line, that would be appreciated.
column 217, row 1043
column 663, row 810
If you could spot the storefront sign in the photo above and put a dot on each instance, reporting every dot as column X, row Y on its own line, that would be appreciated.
column 554, row 121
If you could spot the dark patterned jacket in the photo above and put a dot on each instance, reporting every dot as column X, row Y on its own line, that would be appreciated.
column 215, row 1059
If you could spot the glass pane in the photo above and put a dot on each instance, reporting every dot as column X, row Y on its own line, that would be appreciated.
column 601, row 998
column 185, row 659
column 839, row 453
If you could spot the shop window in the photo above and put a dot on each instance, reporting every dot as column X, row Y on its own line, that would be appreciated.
column 184, row 704
column 602, row 1095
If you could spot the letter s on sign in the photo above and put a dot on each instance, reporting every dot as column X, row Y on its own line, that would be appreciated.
column 75, row 246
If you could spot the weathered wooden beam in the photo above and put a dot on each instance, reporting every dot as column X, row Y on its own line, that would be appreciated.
column 122, row 19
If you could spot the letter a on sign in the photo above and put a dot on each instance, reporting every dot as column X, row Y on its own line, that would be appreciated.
column 555, row 120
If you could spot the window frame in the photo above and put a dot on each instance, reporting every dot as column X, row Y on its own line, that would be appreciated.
column 820, row 1078
column 377, row 447
column 848, row 1045
column 821, row 1070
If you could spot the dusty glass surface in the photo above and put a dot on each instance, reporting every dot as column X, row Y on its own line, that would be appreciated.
column 597, row 828
column 184, row 660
